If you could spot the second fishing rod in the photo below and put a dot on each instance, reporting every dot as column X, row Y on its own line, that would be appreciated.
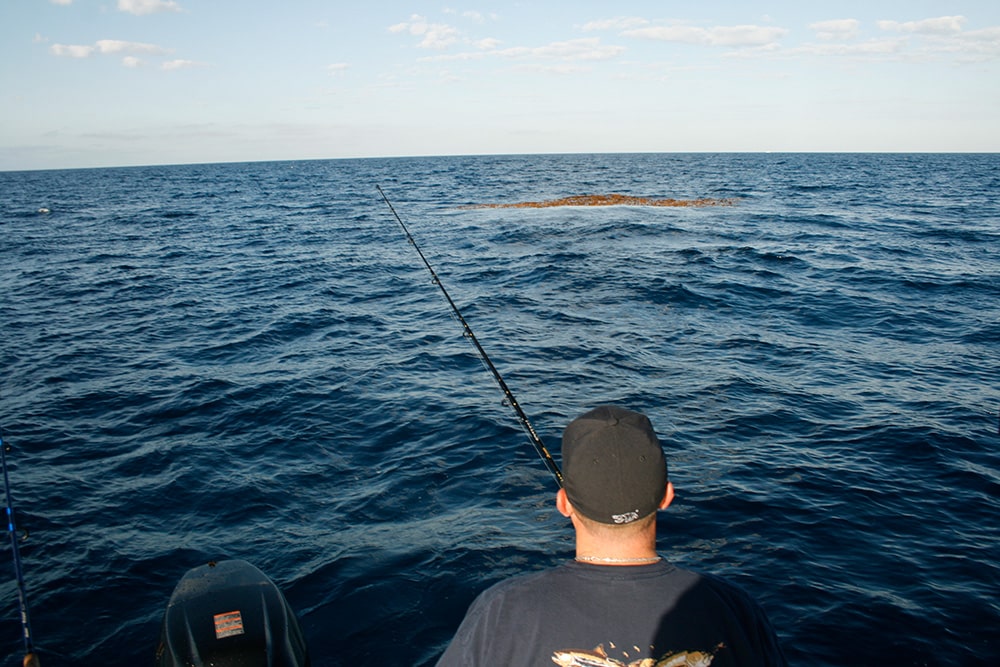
column 509, row 398
column 30, row 656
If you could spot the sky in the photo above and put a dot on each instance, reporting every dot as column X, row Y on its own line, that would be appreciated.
column 93, row 83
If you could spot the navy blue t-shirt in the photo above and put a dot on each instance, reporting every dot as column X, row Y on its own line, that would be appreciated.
column 582, row 615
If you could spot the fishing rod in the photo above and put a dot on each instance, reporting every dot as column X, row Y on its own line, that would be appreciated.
column 508, row 395
column 30, row 657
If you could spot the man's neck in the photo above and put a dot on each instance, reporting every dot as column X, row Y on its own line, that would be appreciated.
column 609, row 546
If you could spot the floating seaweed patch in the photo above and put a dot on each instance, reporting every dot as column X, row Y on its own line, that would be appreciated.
column 611, row 200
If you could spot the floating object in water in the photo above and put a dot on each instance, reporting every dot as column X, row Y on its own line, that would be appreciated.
column 44, row 210
column 229, row 614
column 613, row 199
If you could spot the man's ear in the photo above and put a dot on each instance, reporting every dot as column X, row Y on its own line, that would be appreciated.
column 668, row 497
column 562, row 504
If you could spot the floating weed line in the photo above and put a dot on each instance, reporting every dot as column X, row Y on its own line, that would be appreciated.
column 613, row 199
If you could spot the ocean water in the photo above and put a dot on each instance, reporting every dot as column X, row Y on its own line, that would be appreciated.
column 250, row 361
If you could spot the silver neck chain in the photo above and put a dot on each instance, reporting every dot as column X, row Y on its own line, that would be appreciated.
column 634, row 561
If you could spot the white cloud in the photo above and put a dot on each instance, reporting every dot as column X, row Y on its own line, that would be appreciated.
column 143, row 7
column 944, row 36
column 487, row 44
column 179, row 64
column 560, row 68
column 435, row 35
column 336, row 68
column 587, row 49
column 478, row 17
column 745, row 35
column 575, row 49
column 674, row 33
column 739, row 35
column 440, row 36
column 937, row 39
column 979, row 45
column 943, row 25
column 61, row 2
column 836, row 29
column 618, row 23
column 115, row 46
column 110, row 47
column 72, row 50
column 871, row 49
column 986, row 34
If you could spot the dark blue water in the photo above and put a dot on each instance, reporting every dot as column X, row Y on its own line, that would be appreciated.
column 249, row 361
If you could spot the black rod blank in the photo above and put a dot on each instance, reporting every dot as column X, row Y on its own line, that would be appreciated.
column 508, row 395
column 30, row 657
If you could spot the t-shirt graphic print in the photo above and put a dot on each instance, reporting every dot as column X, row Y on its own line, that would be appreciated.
column 599, row 658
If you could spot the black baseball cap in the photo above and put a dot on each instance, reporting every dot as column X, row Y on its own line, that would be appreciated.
column 613, row 465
